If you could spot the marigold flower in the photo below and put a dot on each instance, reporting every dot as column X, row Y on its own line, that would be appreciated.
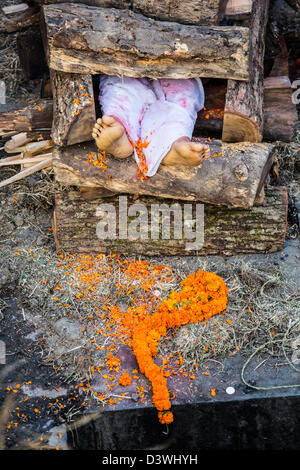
column 203, row 295
column 165, row 417
column 125, row 379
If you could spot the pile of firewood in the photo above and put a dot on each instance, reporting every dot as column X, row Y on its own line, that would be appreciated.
column 234, row 110
column 247, row 53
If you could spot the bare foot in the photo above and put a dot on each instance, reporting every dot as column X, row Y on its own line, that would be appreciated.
column 110, row 136
column 185, row 152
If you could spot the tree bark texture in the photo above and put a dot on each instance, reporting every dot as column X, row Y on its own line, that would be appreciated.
column 74, row 113
column 281, row 114
column 120, row 42
column 234, row 174
column 227, row 231
column 204, row 12
column 34, row 116
column 279, row 110
column 243, row 114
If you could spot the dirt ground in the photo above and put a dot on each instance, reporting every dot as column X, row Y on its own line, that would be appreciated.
column 59, row 314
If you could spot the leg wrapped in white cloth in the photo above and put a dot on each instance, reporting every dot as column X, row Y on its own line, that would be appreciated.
column 153, row 112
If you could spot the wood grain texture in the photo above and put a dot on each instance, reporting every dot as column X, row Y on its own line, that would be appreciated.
column 227, row 231
column 33, row 116
column 204, row 12
column 121, row 42
column 238, row 9
column 74, row 113
column 281, row 117
column 243, row 114
column 233, row 179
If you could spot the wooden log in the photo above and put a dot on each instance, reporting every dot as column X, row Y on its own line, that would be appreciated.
column 243, row 114
column 23, row 138
column 28, row 162
column 31, row 148
column 10, row 160
column 206, row 12
column 18, row 20
column 34, row 116
column 122, row 4
column 227, row 231
column 23, row 161
column 74, row 112
column 235, row 178
column 15, row 142
column 12, row 9
column 281, row 115
column 88, row 41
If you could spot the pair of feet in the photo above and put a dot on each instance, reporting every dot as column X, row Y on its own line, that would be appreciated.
column 110, row 136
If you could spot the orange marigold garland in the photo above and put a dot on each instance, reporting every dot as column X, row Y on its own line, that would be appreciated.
column 203, row 295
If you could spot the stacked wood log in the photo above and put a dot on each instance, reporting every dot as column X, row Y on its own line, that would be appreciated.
column 243, row 113
column 32, row 156
column 74, row 113
column 141, row 46
column 234, row 174
column 35, row 116
column 26, row 132
column 209, row 12
column 280, row 115
column 227, row 231
column 240, row 48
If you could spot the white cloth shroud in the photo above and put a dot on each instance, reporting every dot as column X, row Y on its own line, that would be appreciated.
column 155, row 111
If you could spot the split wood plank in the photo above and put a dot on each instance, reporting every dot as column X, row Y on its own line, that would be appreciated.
column 45, row 163
column 206, row 12
column 281, row 117
column 227, row 231
column 36, row 115
column 74, row 113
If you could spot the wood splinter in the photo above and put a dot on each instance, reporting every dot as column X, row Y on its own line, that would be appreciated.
column 46, row 162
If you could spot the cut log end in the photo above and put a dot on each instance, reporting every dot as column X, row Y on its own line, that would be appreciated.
column 239, row 128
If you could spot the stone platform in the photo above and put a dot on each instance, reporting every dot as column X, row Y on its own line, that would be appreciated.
column 242, row 420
